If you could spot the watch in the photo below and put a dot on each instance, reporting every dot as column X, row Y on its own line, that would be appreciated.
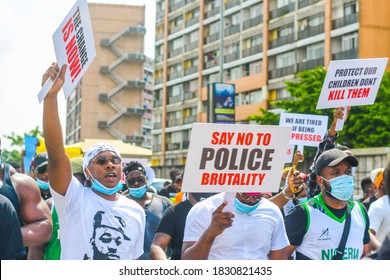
column 286, row 196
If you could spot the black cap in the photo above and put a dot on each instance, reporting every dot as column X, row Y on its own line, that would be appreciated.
column 133, row 165
column 40, row 160
column 333, row 157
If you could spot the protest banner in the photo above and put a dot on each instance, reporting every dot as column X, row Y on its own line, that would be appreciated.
column 351, row 82
column 74, row 45
column 290, row 154
column 235, row 158
column 307, row 130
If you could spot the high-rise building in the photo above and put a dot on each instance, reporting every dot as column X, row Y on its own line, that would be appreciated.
column 260, row 44
column 114, row 99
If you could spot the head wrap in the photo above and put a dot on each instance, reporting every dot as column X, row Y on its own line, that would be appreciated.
column 96, row 149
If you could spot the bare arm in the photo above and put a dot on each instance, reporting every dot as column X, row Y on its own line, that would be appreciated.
column 199, row 250
column 33, row 211
column 277, row 255
column 375, row 244
column 159, row 245
column 60, row 172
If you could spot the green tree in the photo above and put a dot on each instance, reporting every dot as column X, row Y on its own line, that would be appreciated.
column 366, row 126
column 17, row 141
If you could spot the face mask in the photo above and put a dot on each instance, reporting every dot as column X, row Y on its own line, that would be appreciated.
column 42, row 185
column 341, row 187
column 1, row 161
column 99, row 187
column 244, row 208
column 302, row 200
column 138, row 192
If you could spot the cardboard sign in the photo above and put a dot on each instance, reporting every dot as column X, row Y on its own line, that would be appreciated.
column 307, row 130
column 235, row 158
column 74, row 45
column 290, row 154
column 351, row 82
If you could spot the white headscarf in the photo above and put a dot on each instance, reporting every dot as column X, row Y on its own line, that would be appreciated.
column 94, row 150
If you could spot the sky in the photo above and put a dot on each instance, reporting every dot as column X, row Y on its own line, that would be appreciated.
column 26, row 51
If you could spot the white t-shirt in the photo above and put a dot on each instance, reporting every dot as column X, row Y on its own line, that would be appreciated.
column 251, row 237
column 92, row 227
column 379, row 214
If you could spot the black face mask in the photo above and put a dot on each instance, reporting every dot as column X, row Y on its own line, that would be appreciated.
column 201, row 196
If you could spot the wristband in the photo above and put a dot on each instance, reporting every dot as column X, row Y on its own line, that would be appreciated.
column 286, row 196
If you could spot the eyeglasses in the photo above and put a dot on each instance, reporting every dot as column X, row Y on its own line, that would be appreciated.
column 42, row 169
column 105, row 160
column 246, row 197
column 140, row 180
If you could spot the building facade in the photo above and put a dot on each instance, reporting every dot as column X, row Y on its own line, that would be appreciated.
column 257, row 45
column 114, row 99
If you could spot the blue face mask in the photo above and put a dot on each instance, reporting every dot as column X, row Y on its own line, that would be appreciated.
column 138, row 192
column 244, row 208
column 341, row 187
column 302, row 200
column 1, row 161
column 42, row 185
column 99, row 187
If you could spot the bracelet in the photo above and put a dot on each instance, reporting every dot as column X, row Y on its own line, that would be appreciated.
column 286, row 196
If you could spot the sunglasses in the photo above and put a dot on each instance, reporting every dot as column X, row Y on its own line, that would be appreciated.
column 105, row 160
column 248, row 198
column 140, row 180
column 42, row 169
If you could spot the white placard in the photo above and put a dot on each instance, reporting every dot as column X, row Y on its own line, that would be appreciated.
column 74, row 45
column 290, row 154
column 351, row 82
column 235, row 158
column 307, row 130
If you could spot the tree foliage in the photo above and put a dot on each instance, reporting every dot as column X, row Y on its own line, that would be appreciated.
column 17, row 141
column 366, row 126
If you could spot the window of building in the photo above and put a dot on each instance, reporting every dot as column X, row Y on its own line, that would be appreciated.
column 285, row 59
column 194, row 36
column 316, row 20
column 349, row 42
column 256, row 11
column 350, row 9
column 282, row 3
column 285, row 30
column 315, row 51
column 255, row 67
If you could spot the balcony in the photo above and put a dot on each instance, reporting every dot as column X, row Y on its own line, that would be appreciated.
column 344, row 21
column 211, row 63
column 281, row 72
column 176, row 52
column 157, row 103
column 185, row 144
column 192, row 21
column 156, row 148
column 175, row 99
column 134, row 111
column 310, row 64
column 175, row 122
column 190, row 70
column 305, row 3
column 212, row 12
column 175, row 75
column 231, row 4
column 252, row 22
column 252, row 50
column 158, row 81
column 191, row 46
column 189, row 95
column 232, row 57
column 213, row 37
column 281, row 41
column 175, row 6
column 282, row 11
column 190, row 119
column 348, row 54
column 157, row 125
column 175, row 29
column 232, row 30
column 173, row 146
column 310, row 31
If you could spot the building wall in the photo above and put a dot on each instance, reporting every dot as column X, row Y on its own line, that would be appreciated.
column 109, row 22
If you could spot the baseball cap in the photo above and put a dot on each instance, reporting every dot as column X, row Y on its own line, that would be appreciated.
column 40, row 160
column 376, row 176
column 333, row 157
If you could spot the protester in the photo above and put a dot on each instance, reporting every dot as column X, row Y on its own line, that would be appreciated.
column 170, row 231
column 368, row 188
column 328, row 142
column 95, row 221
column 52, row 250
column 379, row 211
column 154, row 205
column 376, row 177
column 11, row 240
column 254, row 231
column 40, row 174
column 315, row 227
column 34, row 215
column 170, row 190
